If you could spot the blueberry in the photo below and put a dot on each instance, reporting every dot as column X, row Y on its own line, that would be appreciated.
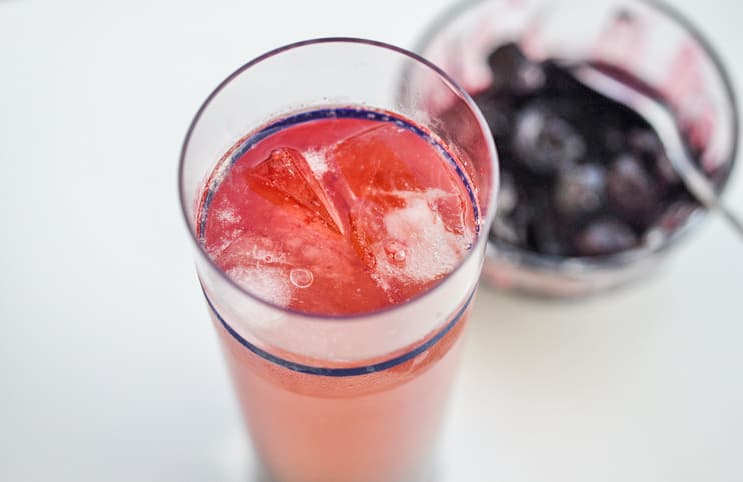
column 631, row 190
column 647, row 144
column 513, row 72
column 546, row 229
column 498, row 113
column 562, row 83
column 530, row 77
column 547, row 236
column 614, row 140
column 665, row 170
column 645, row 141
column 580, row 190
column 605, row 236
column 508, row 196
column 544, row 142
column 508, row 229
column 513, row 228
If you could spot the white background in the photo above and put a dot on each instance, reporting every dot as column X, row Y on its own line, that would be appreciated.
column 109, row 370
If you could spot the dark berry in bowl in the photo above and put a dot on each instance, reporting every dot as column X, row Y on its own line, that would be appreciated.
column 581, row 191
column 632, row 190
column 513, row 72
column 544, row 142
column 605, row 236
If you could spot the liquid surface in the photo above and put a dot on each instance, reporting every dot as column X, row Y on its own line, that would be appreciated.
column 338, row 211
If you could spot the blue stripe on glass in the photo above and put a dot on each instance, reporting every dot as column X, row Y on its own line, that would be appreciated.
column 342, row 372
column 340, row 112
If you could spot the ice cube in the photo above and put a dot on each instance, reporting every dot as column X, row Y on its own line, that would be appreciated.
column 405, row 247
column 367, row 229
column 270, row 283
column 251, row 251
column 451, row 208
column 374, row 161
column 286, row 177
column 431, row 250
column 259, row 265
column 227, row 215
column 385, row 164
column 316, row 161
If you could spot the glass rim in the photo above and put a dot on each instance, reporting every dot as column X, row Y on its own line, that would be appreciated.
column 482, row 236
column 551, row 263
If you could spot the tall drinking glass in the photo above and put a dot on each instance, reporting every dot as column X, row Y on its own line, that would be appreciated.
column 340, row 384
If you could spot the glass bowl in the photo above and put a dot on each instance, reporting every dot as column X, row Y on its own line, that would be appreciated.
column 646, row 41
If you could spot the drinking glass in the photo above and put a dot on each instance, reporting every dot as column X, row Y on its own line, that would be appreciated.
column 351, row 398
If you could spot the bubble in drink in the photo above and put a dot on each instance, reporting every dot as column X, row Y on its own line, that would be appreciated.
column 396, row 251
column 301, row 278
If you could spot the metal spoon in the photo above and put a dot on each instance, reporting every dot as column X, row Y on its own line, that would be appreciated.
column 661, row 119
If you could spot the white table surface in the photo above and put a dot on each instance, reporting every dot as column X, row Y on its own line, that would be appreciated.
column 110, row 371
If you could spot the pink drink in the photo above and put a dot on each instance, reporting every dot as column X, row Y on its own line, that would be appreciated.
column 340, row 212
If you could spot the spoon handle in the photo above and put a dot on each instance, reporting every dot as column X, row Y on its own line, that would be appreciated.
column 733, row 220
